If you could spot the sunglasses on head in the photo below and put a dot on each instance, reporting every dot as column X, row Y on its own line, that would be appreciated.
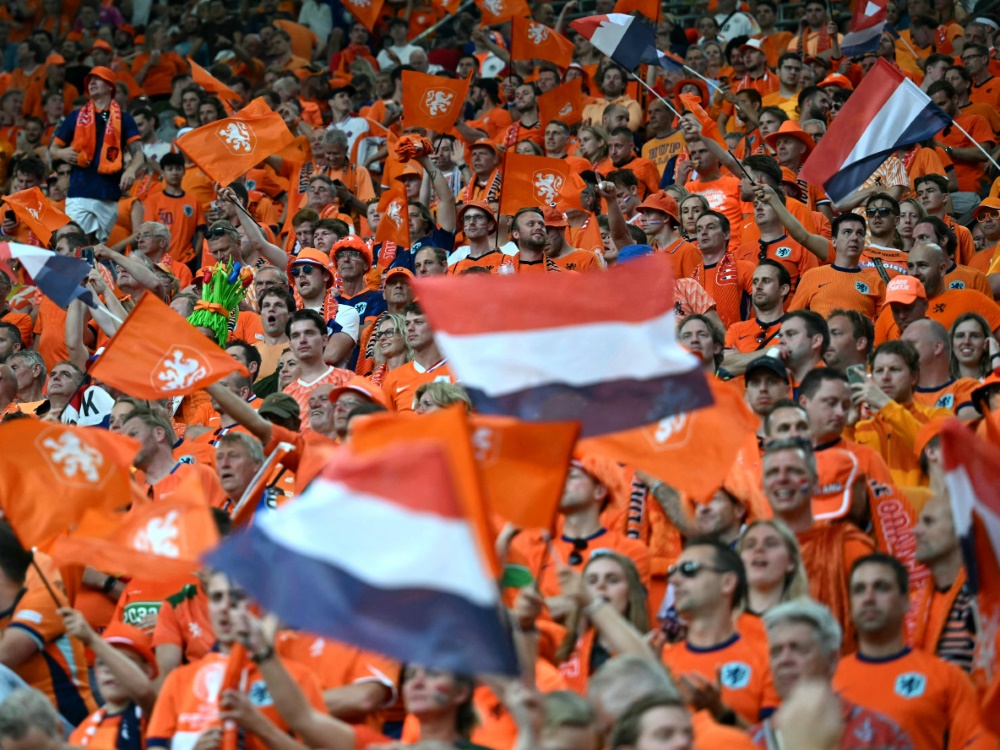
column 690, row 569
column 305, row 269
column 214, row 234
column 881, row 211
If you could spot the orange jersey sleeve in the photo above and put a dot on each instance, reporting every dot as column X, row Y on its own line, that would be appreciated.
column 827, row 288
column 401, row 384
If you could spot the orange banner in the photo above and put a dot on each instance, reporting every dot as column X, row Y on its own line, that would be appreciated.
column 563, row 103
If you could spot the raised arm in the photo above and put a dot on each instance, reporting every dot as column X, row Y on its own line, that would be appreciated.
column 447, row 215
column 814, row 243
column 254, row 234
column 242, row 412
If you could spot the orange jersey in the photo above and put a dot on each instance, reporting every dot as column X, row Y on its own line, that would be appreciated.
column 827, row 288
column 730, row 283
column 58, row 668
column 966, row 244
column 892, row 433
column 188, row 702
column 751, row 335
column 987, row 92
column 965, row 277
column 182, row 215
column 183, row 622
column 794, row 257
column 742, row 666
column 644, row 170
column 945, row 308
column 970, row 174
column 401, row 384
column 491, row 261
column 300, row 390
column 894, row 261
column 159, row 76
column 686, row 257
column 953, row 395
column 50, row 326
column 931, row 700
column 580, row 260
column 723, row 195
column 143, row 597
column 168, row 486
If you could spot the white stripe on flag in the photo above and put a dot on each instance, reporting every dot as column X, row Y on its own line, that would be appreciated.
column 902, row 108
column 381, row 543
column 963, row 499
column 581, row 355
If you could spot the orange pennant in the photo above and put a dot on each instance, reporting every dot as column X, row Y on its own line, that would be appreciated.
column 227, row 149
column 51, row 474
column 229, row 98
column 563, row 103
column 523, row 466
column 34, row 209
column 709, row 127
column 366, row 11
column 531, row 181
column 530, row 40
column 159, row 541
column 157, row 354
column 432, row 102
column 449, row 429
column 394, row 226
column 693, row 451
column 501, row 11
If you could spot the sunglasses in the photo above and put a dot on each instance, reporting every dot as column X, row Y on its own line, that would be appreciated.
column 882, row 212
column 305, row 269
column 214, row 234
column 690, row 569
column 985, row 216
column 576, row 556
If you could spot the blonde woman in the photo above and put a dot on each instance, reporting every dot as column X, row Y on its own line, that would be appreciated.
column 592, row 144
column 391, row 349
column 433, row 396
column 773, row 563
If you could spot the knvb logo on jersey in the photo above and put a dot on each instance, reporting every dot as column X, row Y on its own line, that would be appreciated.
column 73, row 461
column 547, row 186
column 238, row 138
column 735, row 675
column 178, row 370
column 437, row 102
column 537, row 32
column 159, row 536
column 910, row 685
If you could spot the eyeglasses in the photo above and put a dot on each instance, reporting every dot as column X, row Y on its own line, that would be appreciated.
column 690, row 569
column 350, row 254
column 990, row 215
column 475, row 219
column 305, row 269
column 882, row 212
column 387, row 333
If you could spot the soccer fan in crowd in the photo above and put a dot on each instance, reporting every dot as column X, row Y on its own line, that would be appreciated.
column 299, row 180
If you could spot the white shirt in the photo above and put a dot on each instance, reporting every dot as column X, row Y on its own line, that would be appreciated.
column 317, row 17
column 95, row 406
column 739, row 24
column 354, row 128
column 403, row 53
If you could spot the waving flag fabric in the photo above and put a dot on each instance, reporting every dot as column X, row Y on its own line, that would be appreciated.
column 887, row 112
column 625, row 39
column 37, row 212
column 531, row 40
column 563, row 103
column 392, row 561
column 531, row 181
column 595, row 348
column 57, row 276
column 432, row 102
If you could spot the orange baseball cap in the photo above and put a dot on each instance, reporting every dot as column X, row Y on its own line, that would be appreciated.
column 757, row 44
column 554, row 217
column 405, row 272
column 788, row 175
column 838, row 80
column 99, row 71
column 101, row 44
column 986, row 204
column 838, row 471
column 55, row 59
column 122, row 635
column 314, row 257
column 927, row 432
column 663, row 201
column 905, row 289
column 409, row 171
column 486, row 143
column 792, row 128
column 363, row 386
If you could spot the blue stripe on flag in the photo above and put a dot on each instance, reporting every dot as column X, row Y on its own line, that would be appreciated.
column 601, row 408
column 60, row 279
column 639, row 38
column 420, row 625
column 852, row 176
column 862, row 42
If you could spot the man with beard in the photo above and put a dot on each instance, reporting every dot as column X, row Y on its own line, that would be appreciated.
column 528, row 233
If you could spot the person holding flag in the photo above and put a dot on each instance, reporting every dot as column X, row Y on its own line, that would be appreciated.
column 95, row 140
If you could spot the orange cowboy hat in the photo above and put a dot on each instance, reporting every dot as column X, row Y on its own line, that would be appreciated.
column 793, row 129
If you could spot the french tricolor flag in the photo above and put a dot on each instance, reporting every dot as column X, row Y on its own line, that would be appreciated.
column 887, row 112
column 625, row 39
column 596, row 348
column 380, row 552
column 972, row 476
column 57, row 276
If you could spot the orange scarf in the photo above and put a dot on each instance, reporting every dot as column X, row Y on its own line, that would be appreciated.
column 85, row 139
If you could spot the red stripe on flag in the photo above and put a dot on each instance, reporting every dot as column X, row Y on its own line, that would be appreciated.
column 479, row 303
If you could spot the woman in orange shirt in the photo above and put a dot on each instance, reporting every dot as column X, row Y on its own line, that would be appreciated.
column 612, row 580
column 155, row 67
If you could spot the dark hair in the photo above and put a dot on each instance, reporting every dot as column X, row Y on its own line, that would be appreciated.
column 723, row 221
column 14, row 558
column 902, row 349
column 413, row 308
column 753, row 95
column 311, row 315
column 623, row 178
column 440, row 254
column 945, row 234
column 861, row 326
column 767, row 166
column 718, row 335
column 846, row 218
column 621, row 130
column 490, row 87
column 884, row 197
column 807, row 92
column 784, row 278
column 937, row 57
column 15, row 332
column 815, row 378
column 274, row 291
column 881, row 558
column 927, row 22
column 249, row 351
column 776, row 112
column 727, row 561
column 785, row 56
column 944, row 86
column 33, row 166
column 964, row 74
column 171, row 159
column 815, row 325
column 637, row 235
column 521, row 212
column 784, row 403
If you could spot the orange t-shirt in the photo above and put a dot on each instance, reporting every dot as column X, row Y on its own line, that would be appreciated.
column 182, row 215
column 580, row 260
column 183, row 622
column 50, row 325
column 742, row 667
column 491, row 261
column 188, row 702
column 966, row 277
column 945, row 308
column 723, row 195
column 168, row 486
column 730, row 283
column 751, row 335
column 159, row 77
column 401, row 384
column 300, row 390
column 931, row 700
column 827, row 288
column 686, row 257
column 645, row 171
column 970, row 174
column 796, row 258
column 143, row 597
column 952, row 395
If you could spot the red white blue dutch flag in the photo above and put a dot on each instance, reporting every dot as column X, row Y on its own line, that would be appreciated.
column 596, row 348
column 57, row 276
column 625, row 39
column 887, row 112
column 379, row 552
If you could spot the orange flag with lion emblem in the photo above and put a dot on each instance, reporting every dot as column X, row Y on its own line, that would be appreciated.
column 157, row 354
column 432, row 102
column 38, row 214
column 531, row 180
column 394, row 226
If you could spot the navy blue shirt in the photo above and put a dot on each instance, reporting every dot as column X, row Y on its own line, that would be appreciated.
column 88, row 182
column 437, row 238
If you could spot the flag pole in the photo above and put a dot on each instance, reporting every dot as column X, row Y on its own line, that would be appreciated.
column 48, row 586
column 431, row 29
column 976, row 143
column 653, row 92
